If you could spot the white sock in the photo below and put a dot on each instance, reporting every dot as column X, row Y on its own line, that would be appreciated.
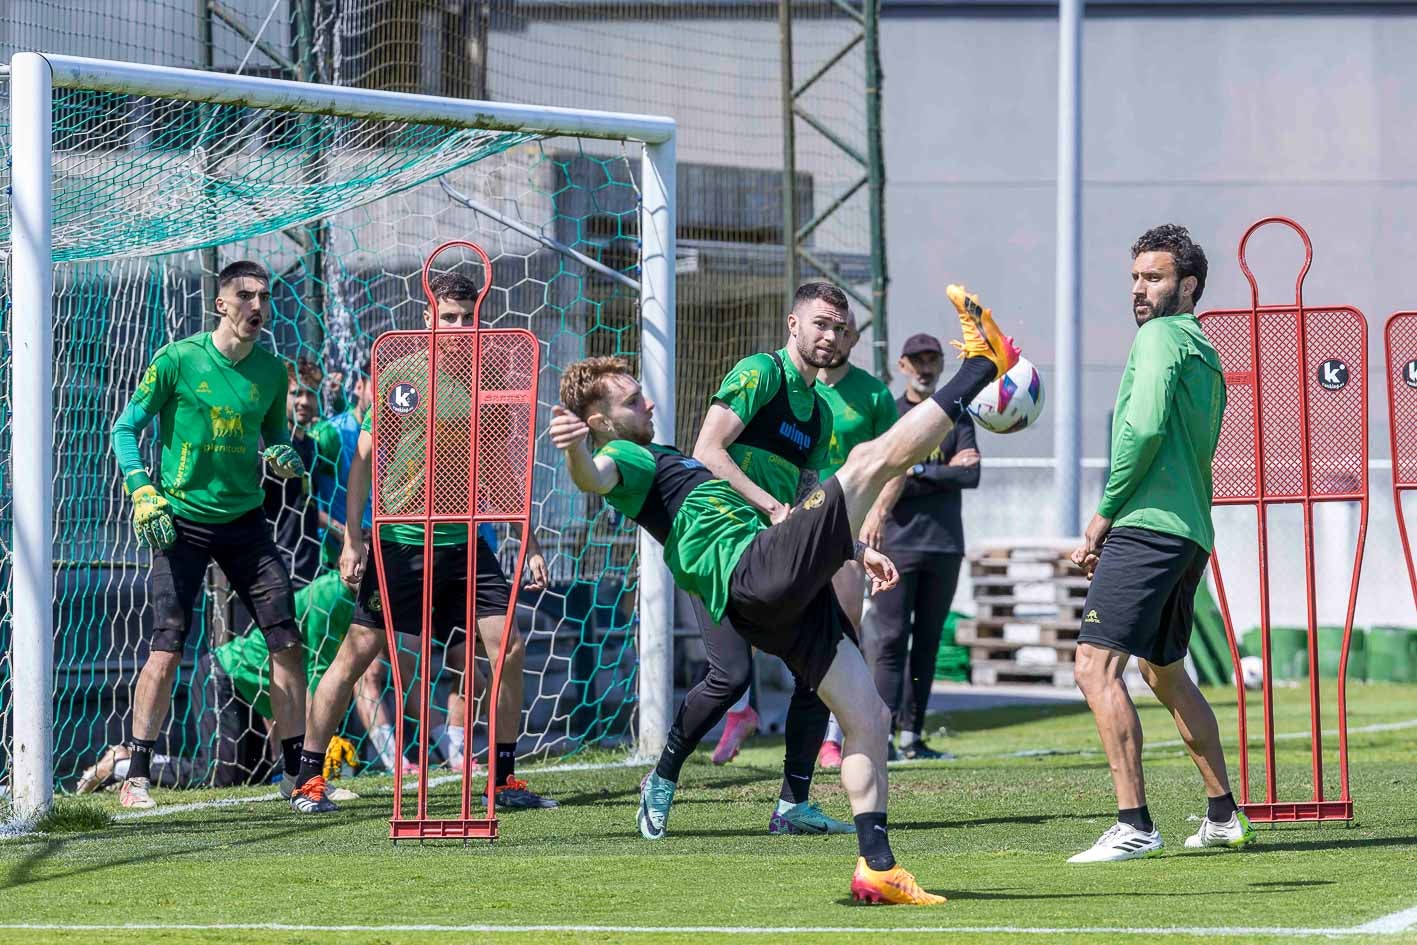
column 382, row 738
column 834, row 730
column 906, row 739
column 450, row 741
column 120, row 769
column 784, row 806
column 741, row 704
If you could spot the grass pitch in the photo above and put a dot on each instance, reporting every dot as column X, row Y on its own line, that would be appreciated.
column 991, row 831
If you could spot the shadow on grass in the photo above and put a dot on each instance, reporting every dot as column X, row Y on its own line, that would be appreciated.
column 1023, row 819
column 960, row 721
column 23, row 872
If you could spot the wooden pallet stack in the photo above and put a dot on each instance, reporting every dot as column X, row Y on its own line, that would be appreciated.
column 1028, row 603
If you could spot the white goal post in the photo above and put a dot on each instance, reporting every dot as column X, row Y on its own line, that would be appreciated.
column 33, row 80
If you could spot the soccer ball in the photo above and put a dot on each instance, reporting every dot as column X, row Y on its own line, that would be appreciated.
column 1252, row 672
column 1012, row 402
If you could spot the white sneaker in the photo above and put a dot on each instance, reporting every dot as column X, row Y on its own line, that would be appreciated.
column 134, row 794
column 1121, row 842
column 1235, row 833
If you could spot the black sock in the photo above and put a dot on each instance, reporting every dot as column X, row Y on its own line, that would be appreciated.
column 1138, row 817
column 959, row 391
column 677, row 750
column 806, row 726
column 872, row 842
column 290, row 753
column 506, row 761
column 312, row 764
column 140, row 758
column 1220, row 809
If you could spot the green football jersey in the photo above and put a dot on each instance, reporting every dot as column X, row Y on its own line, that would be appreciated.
column 702, row 522
column 862, row 408
column 750, row 387
column 403, row 385
column 213, row 415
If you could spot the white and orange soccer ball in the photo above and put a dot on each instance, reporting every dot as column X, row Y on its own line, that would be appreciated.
column 1012, row 402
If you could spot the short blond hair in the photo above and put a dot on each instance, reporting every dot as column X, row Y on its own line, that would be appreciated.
column 583, row 382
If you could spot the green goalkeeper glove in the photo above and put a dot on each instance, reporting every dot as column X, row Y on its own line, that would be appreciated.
column 152, row 519
column 284, row 461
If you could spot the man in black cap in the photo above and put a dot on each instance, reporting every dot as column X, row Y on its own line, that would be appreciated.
column 924, row 536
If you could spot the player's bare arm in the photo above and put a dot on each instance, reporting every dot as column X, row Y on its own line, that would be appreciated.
column 720, row 430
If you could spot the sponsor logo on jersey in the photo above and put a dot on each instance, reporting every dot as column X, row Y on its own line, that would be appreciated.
column 1092, row 617
column 815, row 499
column 204, row 388
column 227, row 422
column 253, row 394
column 794, row 435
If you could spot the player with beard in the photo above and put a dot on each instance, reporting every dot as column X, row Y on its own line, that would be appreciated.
column 768, row 432
column 217, row 397
column 1147, row 547
column 773, row 581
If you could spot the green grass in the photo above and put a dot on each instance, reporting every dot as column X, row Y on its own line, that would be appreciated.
column 991, row 831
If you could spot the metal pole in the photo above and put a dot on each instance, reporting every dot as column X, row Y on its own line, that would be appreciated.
column 32, row 432
column 1067, row 426
column 656, row 639
column 876, row 175
column 789, row 154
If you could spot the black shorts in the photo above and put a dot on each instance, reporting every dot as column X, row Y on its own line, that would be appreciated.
column 403, row 565
column 243, row 549
column 780, row 596
column 1143, row 594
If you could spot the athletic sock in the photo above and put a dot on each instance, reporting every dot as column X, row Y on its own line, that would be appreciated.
column 382, row 738
column 290, row 753
column 1136, row 817
column 904, row 739
column 1220, row 809
column 450, row 739
column 743, row 702
column 140, row 757
column 872, row 842
column 677, row 750
column 796, row 782
column 972, row 377
column 312, row 764
column 834, row 733
column 506, row 761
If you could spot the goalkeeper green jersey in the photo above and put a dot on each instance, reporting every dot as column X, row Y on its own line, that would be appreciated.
column 703, row 524
column 213, row 414
column 862, row 408
column 1165, row 430
column 323, row 610
column 403, row 385
column 786, row 424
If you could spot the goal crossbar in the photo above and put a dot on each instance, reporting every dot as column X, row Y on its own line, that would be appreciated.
column 33, row 79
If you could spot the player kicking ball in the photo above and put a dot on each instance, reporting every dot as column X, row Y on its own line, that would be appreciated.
column 774, row 582
column 404, row 564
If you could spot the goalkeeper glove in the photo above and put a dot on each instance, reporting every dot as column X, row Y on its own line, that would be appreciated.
column 152, row 518
column 339, row 753
column 284, row 461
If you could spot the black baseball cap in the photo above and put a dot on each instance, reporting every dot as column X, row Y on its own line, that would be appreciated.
column 921, row 344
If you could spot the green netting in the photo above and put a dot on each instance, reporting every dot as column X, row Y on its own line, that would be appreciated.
column 152, row 198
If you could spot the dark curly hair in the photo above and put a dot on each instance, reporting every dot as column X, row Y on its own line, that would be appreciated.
column 1176, row 239
column 453, row 285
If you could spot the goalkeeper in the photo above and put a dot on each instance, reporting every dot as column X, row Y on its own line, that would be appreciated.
column 774, row 581
column 217, row 397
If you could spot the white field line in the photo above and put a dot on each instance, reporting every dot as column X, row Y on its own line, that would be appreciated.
column 1185, row 931
column 1403, row 921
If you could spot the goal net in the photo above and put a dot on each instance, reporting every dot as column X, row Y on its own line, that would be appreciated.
column 159, row 177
